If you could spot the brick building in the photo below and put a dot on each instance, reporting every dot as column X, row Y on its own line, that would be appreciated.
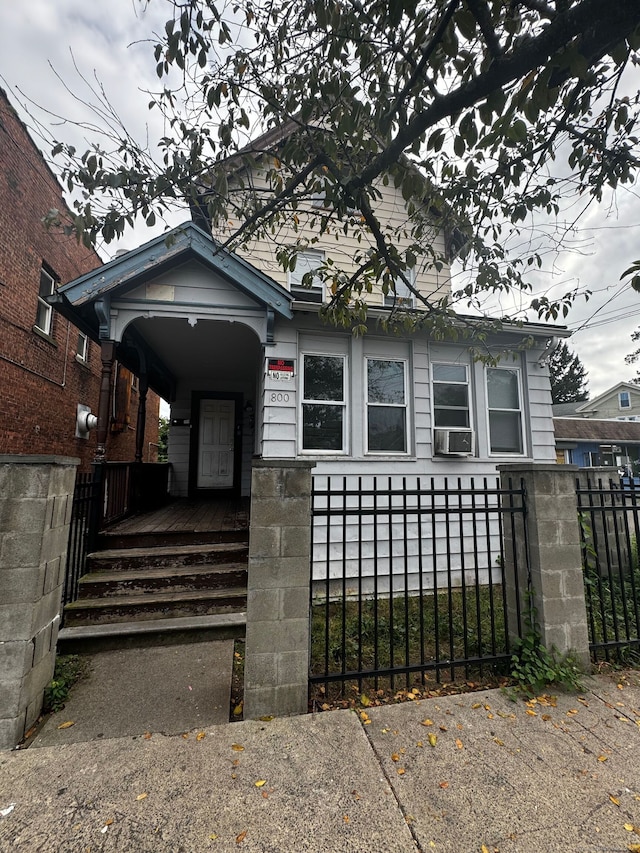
column 47, row 366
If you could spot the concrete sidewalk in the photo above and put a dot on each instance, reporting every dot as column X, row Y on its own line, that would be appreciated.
column 542, row 776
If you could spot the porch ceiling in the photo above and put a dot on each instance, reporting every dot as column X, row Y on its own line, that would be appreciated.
column 209, row 349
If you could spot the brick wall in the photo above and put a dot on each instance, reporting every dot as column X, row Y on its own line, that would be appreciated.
column 41, row 380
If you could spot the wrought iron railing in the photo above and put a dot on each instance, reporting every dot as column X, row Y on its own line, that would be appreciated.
column 408, row 578
column 609, row 514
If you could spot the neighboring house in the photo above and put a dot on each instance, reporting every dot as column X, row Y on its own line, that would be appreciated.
column 48, row 366
column 622, row 401
column 590, row 442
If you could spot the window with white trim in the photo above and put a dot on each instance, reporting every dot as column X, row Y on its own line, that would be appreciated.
column 323, row 403
column 306, row 263
column 82, row 348
column 403, row 296
column 504, row 410
column 386, row 406
column 450, row 395
column 624, row 400
column 44, row 317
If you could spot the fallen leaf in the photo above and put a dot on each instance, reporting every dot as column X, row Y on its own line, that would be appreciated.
column 476, row 705
column 185, row 736
column 426, row 723
column 345, row 818
column 401, row 771
column 571, row 712
column 395, row 757
column 546, row 717
column 444, row 784
column 240, row 838
column 442, row 728
column 142, row 796
column 147, row 735
column 484, row 849
column 213, row 836
column 364, row 700
column 629, row 827
column 498, row 741
column 419, row 744
column 459, row 743
column 634, row 848
column 614, row 800
column 532, row 713
column 433, row 739
column 267, row 718
column 67, row 725
column 201, row 735
column 260, row 783
column 237, row 748
column 237, row 710
column 603, row 758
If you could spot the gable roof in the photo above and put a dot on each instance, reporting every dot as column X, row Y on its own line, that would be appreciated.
column 593, row 429
column 591, row 405
column 185, row 242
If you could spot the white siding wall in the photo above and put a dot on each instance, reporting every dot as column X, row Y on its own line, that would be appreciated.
column 342, row 248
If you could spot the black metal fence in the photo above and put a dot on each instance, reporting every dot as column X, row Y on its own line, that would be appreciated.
column 408, row 579
column 85, row 521
column 609, row 514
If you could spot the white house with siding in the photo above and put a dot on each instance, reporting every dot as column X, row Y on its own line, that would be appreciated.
column 237, row 347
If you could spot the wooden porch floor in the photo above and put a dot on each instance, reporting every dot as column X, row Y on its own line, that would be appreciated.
column 189, row 516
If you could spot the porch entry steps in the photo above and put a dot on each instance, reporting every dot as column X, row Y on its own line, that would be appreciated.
column 154, row 586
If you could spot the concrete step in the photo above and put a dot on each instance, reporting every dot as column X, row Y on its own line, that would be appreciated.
column 111, row 541
column 170, row 556
column 154, row 605
column 87, row 639
column 172, row 579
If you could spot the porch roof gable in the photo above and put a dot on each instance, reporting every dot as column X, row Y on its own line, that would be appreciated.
column 186, row 241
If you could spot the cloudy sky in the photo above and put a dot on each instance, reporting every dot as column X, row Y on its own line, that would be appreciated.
column 43, row 43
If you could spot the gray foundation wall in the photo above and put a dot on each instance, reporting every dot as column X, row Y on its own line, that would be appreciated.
column 36, row 496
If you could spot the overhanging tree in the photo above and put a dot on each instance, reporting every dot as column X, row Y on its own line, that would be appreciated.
column 486, row 114
column 568, row 376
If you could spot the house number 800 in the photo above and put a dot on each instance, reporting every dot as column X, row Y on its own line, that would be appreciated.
column 279, row 398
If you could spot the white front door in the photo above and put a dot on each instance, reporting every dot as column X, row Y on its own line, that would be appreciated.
column 216, row 444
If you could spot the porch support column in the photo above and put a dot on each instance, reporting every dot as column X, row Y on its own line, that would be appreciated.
column 276, row 675
column 107, row 354
column 552, row 533
column 143, row 387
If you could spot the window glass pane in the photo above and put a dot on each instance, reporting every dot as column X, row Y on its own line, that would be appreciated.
column 43, row 318
column 306, row 262
column 451, row 395
column 322, row 427
column 46, row 284
column 387, row 431
column 323, row 377
column 451, row 417
column 506, row 433
column 625, row 400
column 386, row 381
column 449, row 373
column 502, row 388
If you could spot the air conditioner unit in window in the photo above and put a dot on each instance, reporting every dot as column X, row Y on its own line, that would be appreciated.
column 454, row 442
